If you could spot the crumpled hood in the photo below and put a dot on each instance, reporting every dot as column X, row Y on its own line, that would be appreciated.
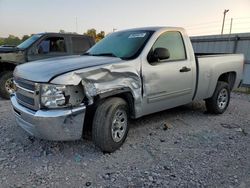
column 45, row 70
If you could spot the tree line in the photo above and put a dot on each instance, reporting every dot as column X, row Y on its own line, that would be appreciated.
column 14, row 40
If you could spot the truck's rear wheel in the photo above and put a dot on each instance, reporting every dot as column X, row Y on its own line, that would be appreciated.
column 6, row 84
column 110, row 124
column 218, row 103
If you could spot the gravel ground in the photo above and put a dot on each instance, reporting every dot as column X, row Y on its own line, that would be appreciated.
column 181, row 147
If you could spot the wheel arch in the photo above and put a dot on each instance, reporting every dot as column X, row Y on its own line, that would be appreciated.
column 124, row 93
column 228, row 77
column 7, row 66
column 213, row 103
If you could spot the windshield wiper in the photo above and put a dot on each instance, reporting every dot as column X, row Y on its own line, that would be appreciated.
column 86, row 53
column 105, row 54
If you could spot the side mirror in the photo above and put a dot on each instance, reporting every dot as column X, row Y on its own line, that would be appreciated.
column 159, row 54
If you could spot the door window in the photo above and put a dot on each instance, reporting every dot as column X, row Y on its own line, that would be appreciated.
column 171, row 40
column 52, row 45
column 80, row 45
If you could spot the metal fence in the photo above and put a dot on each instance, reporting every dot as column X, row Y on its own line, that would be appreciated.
column 233, row 43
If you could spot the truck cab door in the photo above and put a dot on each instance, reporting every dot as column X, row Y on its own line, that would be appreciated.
column 168, row 82
column 47, row 48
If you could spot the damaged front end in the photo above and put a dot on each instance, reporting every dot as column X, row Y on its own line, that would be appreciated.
column 56, row 110
column 107, row 81
column 49, row 111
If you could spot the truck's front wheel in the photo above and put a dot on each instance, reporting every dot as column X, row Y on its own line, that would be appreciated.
column 6, row 84
column 218, row 103
column 110, row 124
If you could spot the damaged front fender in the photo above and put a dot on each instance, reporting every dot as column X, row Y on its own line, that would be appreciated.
column 108, row 80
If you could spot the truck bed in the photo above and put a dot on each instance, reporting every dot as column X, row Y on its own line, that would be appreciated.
column 210, row 66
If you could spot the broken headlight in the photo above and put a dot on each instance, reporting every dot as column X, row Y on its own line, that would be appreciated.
column 53, row 96
column 59, row 96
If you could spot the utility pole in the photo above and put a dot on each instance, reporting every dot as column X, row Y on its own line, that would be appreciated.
column 224, row 16
column 76, row 25
column 231, row 26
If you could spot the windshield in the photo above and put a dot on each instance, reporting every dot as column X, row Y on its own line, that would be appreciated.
column 29, row 41
column 124, row 44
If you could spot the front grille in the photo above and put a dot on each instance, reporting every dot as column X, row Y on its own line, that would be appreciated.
column 27, row 93
column 25, row 99
column 22, row 83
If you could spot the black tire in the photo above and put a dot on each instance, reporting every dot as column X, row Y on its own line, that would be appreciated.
column 216, row 104
column 4, row 77
column 103, row 123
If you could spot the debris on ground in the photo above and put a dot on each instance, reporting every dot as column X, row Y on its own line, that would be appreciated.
column 193, row 151
column 230, row 126
column 166, row 126
column 236, row 127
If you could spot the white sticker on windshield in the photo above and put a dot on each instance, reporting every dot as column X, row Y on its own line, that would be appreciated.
column 137, row 35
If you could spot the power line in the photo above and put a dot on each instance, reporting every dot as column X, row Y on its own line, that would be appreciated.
column 241, row 18
column 215, row 22
column 204, row 23
column 240, row 24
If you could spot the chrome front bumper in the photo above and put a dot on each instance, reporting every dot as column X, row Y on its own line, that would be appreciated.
column 59, row 124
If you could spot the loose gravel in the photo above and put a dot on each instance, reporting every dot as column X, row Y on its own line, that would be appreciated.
column 181, row 147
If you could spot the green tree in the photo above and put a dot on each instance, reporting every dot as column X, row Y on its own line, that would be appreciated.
column 12, row 40
column 62, row 31
column 25, row 37
column 100, row 36
column 1, row 41
column 97, row 36
column 91, row 33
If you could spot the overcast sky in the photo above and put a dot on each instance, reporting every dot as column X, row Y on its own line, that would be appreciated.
column 19, row 17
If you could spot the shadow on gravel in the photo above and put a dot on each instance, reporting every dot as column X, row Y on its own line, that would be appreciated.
column 197, row 108
column 84, row 148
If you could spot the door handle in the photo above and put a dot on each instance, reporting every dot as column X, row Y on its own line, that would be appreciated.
column 185, row 69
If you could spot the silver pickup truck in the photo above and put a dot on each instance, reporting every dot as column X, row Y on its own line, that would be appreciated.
column 128, row 74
